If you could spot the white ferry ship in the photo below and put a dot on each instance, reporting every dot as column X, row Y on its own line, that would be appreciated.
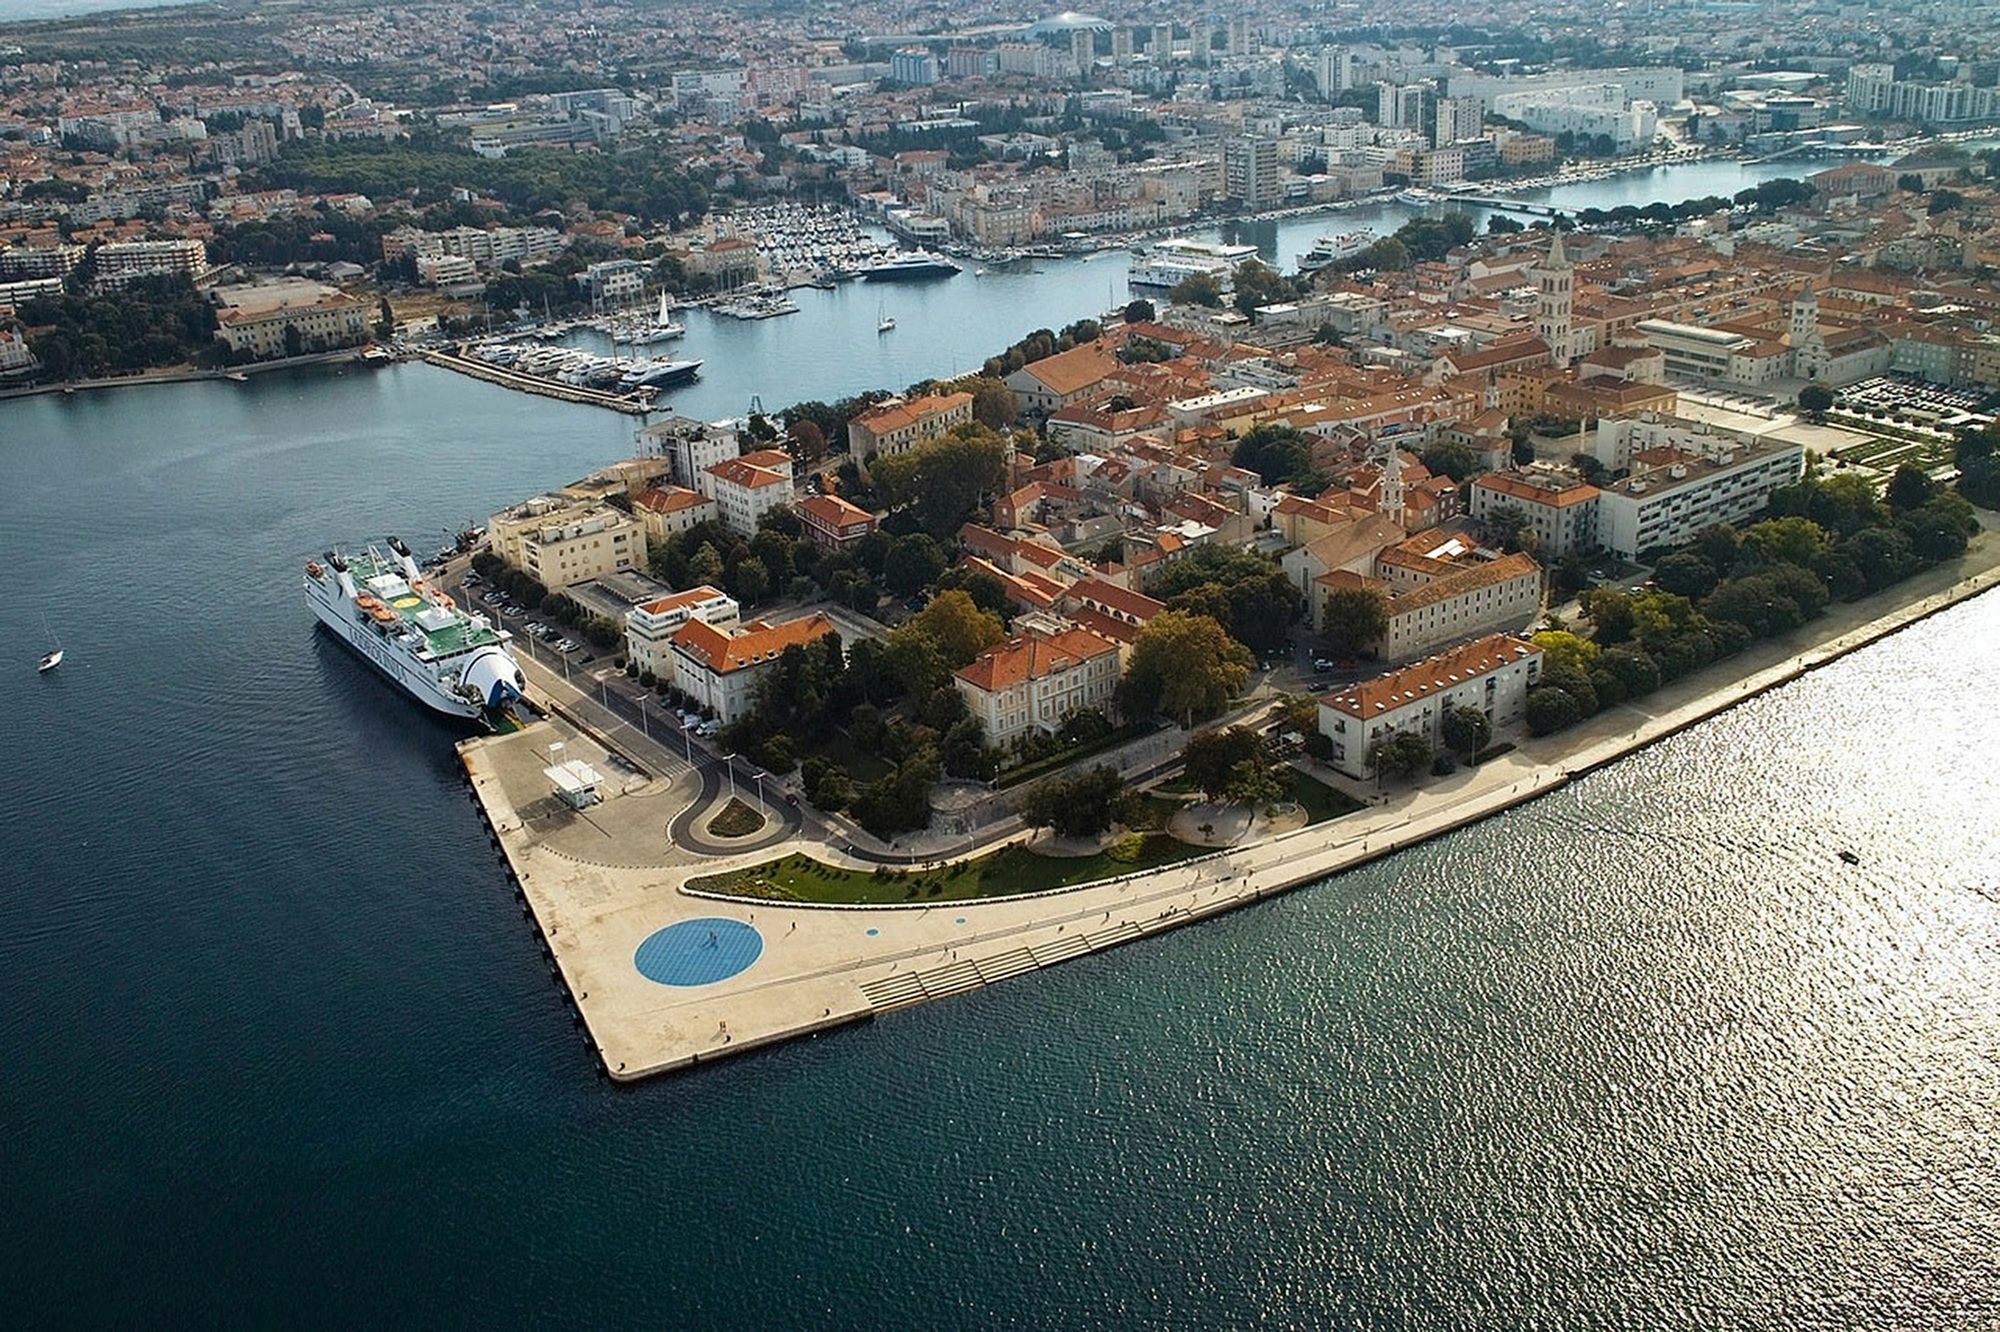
column 1330, row 250
column 383, row 608
column 1166, row 263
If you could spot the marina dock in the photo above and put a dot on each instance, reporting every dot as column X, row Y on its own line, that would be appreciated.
column 630, row 404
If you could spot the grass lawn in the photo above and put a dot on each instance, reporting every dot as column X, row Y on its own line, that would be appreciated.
column 736, row 820
column 1179, row 786
column 1008, row 872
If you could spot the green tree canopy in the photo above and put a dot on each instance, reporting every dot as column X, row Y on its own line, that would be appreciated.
column 943, row 481
column 1184, row 666
column 955, row 627
column 1465, row 730
column 1081, row 804
column 1353, row 620
column 1212, row 756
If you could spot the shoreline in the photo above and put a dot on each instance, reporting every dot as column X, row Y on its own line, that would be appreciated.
column 235, row 374
column 823, row 965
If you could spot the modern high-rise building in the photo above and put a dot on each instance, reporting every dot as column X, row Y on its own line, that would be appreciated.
column 1241, row 40
column 1336, row 71
column 1121, row 45
column 1083, row 49
column 1399, row 105
column 1161, row 48
column 914, row 68
column 1458, row 119
column 1250, row 171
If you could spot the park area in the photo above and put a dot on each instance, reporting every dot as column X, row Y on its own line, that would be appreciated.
column 1012, row 871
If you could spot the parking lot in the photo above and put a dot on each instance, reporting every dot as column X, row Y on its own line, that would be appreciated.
column 1930, row 404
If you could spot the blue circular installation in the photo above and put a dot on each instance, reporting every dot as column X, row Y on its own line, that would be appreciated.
column 698, row 952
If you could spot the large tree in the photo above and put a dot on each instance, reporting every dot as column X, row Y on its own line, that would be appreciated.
column 1562, row 648
column 1248, row 594
column 1686, row 574
column 955, row 627
column 1465, row 730
column 912, row 563
column 1401, row 755
column 1185, row 666
column 1212, row 756
column 943, row 481
column 1354, row 620
column 1080, row 804
column 1611, row 616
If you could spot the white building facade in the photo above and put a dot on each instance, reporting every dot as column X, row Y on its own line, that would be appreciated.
column 1492, row 674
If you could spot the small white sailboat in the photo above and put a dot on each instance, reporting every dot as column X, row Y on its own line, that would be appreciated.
column 883, row 321
column 53, row 657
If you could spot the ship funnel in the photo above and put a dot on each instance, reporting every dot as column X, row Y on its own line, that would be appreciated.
column 404, row 559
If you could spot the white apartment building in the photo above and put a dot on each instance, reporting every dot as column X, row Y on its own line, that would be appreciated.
column 718, row 668
column 561, row 542
column 14, row 354
column 1587, row 111
column 747, row 488
column 651, row 625
column 120, row 263
column 690, row 447
column 1036, row 680
column 1675, row 492
column 1492, row 674
column 1250, row 171
column 1561, row 507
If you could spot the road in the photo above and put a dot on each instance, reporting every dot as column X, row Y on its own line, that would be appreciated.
column 671, row 749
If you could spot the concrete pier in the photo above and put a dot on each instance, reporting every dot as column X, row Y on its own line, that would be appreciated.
column 609, row 888
column 547, row 388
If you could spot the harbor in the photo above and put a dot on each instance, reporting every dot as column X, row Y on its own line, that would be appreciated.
column 495, row 363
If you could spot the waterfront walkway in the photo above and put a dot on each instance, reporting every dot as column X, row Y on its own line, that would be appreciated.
column 820, row 966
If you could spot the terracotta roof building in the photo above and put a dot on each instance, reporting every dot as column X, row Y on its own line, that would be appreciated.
column 1492, row 674
column 1035, row 681
column 899, row 426
column 718, row 668
column 831, row 522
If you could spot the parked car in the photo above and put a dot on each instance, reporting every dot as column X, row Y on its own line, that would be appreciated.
column 1322, row 664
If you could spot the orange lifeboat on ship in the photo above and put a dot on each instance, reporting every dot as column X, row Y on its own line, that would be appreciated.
column 312, row 568
column 383, row 615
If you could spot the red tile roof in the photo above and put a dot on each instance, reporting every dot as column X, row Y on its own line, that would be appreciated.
column 723, row 653
column 1385, row 693
column 1032, row 658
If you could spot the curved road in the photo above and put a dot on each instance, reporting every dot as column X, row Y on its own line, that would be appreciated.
column 689, row 828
